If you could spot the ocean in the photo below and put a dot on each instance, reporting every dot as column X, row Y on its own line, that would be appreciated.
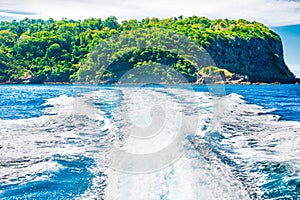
column 155, row 142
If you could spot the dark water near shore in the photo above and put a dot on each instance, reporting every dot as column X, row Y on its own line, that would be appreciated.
column 55, row 141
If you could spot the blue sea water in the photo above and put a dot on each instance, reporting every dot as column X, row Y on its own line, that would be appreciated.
column 55, row 141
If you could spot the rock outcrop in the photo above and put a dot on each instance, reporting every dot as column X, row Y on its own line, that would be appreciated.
column 215, row 75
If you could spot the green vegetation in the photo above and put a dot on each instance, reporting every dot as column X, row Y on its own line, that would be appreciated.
column 213, row 70
column 148, row 52
column 55, row 50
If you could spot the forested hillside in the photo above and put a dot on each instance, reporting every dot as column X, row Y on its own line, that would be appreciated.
column 39, row 51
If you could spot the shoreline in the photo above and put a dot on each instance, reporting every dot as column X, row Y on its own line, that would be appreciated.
column 93, row 83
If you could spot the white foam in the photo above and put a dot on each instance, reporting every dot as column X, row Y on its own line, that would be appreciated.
column 28, row 145
column 265, row 129
column 190, row 176
column 31, row 171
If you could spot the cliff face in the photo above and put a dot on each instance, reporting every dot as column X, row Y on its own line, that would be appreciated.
column 260, row 59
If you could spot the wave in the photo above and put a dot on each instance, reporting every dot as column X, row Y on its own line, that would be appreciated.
column 57, row 148
column 261, row 150
column 225, row 148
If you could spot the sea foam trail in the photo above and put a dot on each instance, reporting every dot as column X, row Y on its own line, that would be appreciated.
column 227, row 148
column 189, row 176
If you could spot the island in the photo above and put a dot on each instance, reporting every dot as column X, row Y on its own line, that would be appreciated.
column 41, row 51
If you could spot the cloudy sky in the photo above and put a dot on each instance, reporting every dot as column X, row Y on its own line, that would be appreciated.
column 273, row 13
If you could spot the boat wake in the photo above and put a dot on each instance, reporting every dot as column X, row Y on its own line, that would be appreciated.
column 150, row 143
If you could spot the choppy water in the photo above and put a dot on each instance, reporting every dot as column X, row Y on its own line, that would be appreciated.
column 56, row 142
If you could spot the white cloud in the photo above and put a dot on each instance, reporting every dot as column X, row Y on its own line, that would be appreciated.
column 270, row 12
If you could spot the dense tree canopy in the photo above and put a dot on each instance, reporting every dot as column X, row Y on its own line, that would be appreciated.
column 54, row 50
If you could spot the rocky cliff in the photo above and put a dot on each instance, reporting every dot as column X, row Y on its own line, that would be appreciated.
column 260, row 59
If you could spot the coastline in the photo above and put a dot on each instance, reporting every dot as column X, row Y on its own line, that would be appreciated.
column 93, row 83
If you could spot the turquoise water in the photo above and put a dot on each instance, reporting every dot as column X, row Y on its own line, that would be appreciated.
column 55, row 141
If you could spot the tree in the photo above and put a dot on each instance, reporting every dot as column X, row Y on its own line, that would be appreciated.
column 111, row 23
column 54, row 51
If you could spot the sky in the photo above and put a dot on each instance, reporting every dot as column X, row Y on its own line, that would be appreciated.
column 277, row 14
column 290, row 36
